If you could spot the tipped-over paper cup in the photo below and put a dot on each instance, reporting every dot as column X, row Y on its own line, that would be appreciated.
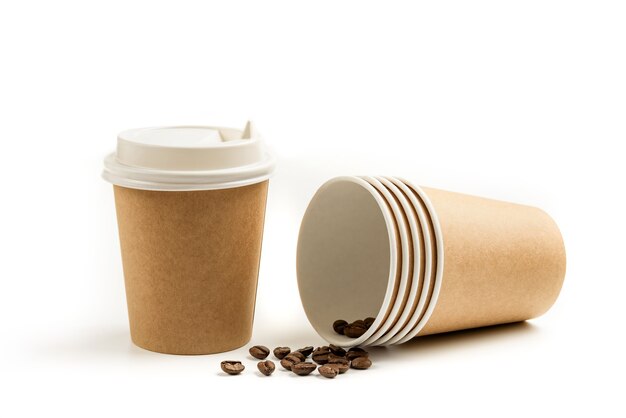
column 190, row 204
column 495, row 262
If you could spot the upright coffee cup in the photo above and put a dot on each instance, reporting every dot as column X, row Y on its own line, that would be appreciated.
column 190, row 204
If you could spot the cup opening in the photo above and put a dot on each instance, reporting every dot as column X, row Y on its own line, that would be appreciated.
column 347, row 258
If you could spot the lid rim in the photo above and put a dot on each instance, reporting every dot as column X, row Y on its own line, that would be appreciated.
column 150, row 179
column 179, row 187
column 111, row 160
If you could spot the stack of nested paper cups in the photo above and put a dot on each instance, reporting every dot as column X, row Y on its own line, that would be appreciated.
column 422, row 261
column 190, row 206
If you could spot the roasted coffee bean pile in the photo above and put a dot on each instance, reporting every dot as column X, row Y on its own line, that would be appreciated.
column 329, row 360
column 354, row 329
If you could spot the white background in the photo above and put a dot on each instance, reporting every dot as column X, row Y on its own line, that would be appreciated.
column 520, row 101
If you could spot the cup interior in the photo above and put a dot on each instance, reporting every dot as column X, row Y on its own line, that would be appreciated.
column 347, row 258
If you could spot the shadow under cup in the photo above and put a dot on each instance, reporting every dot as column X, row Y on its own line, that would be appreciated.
column 497, row 262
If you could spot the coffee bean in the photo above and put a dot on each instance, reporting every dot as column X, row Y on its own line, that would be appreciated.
column 298, row 354
column 356, row 352
column 328, row 370
column 306, row 351
column 289, row 361
column 339, row 325
column 333, row 359
column 338, row 351
column 361, row 363
column 281, row 352
column 320, row 355
column 321, row 358
column 232, row 366
column 266, row 367
column 342, row 363
column 259, row 351
column 323, row 349
column 303, row 368
column 355, row 329
column 340, row 367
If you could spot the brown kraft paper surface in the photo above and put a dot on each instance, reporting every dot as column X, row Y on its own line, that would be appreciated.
column 503, row 262
column 191, row 262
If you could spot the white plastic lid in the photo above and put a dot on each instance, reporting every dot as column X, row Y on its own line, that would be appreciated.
column 188, row 158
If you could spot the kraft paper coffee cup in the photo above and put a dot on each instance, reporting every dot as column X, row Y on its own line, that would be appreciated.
column 491, row 262
column 190, row 204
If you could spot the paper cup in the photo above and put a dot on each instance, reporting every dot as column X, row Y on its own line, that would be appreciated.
column 190, row 207
column 491, row 262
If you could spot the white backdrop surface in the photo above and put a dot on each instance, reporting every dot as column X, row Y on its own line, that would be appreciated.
column 519, row 101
